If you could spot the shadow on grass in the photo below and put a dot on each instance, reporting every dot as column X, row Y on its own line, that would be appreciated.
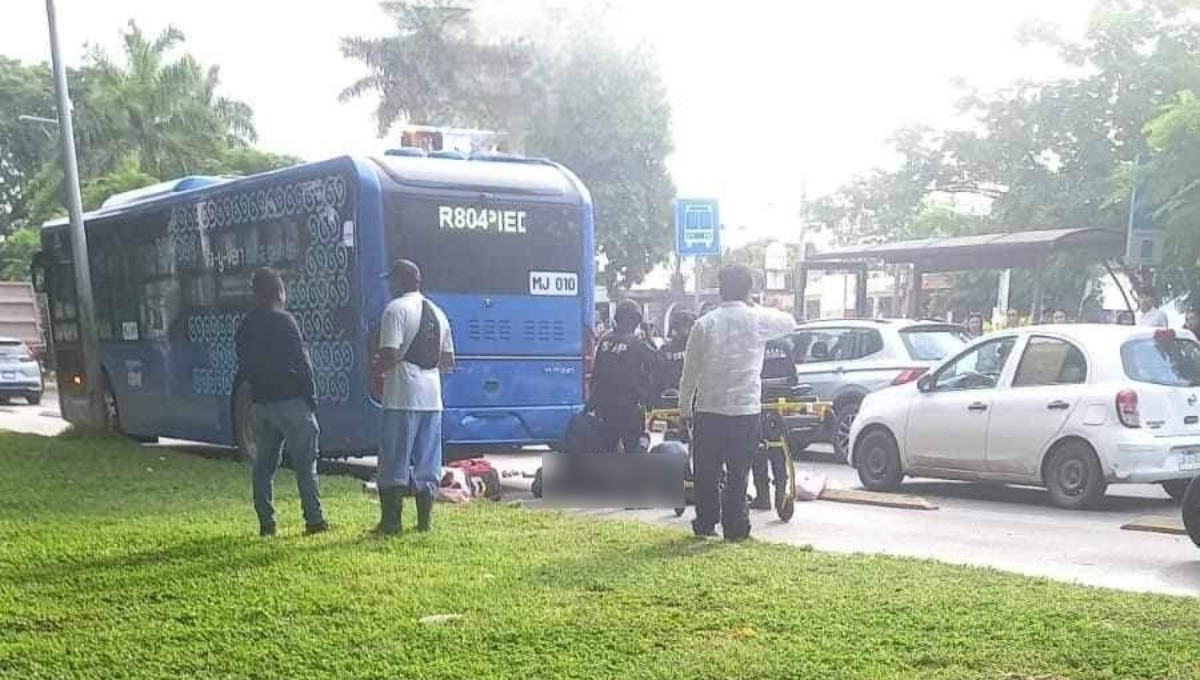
column 601, row 568
column 184, row 560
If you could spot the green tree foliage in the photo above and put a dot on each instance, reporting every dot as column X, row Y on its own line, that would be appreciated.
column 1044, row 154
column 160, row 108
column 598, row 108
column 607, row 118
column 1172, row 181
column 24, row 146
column 16, row 253
column 153, row 113
column 438, row 69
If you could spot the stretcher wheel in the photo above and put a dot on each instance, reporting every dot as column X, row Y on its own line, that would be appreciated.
column 679, row 512
column 787, row 509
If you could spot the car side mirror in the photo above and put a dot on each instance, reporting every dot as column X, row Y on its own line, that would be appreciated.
column 925, row 383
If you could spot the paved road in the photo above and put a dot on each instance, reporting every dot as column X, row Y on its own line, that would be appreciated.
column 1008, row 528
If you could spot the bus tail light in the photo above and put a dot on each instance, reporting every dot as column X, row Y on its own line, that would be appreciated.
column 1127, row 409
column 589, row 361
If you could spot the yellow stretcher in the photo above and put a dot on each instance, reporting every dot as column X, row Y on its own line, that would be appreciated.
column 783, row 415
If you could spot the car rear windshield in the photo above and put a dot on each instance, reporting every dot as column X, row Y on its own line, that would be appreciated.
column 13, row 349
column 933, row 343
column 1175, row 363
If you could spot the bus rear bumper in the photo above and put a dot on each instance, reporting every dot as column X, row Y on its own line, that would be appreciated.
column 506, row 425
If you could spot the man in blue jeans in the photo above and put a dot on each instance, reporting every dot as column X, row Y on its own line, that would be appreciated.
column 271, row 358
column 415, row 347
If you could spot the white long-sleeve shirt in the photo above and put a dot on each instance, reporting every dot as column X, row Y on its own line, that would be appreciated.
column 722, row 365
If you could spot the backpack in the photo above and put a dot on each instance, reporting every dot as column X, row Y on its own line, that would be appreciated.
column 425, row 350
column 585, row 435
column 482, row 478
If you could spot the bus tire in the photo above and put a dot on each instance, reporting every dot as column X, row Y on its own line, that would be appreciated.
column 243, row 423
column 112, row 417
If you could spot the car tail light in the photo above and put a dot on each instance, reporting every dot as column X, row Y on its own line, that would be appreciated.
column 908, row 375
column 1127, row 408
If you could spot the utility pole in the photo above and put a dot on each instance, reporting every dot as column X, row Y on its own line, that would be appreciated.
column 86, row 307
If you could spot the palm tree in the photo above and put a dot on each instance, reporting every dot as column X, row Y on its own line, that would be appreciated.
column 161, row 110
column 434, row 69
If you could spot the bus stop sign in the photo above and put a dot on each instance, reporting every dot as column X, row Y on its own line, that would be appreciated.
column 697, row 227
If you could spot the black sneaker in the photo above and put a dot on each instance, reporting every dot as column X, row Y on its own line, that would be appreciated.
column 703, row 531
column 760, row 502
column 266, row 530
column 318, row 528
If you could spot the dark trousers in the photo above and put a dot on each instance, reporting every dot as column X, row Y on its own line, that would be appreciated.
column 623, row 422
column 773, row 459
column 729, row 443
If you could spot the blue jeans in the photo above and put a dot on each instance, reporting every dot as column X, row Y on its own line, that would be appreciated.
column 291, row 424
column 411, row 448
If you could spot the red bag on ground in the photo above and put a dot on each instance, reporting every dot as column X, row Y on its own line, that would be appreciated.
column 484, row 478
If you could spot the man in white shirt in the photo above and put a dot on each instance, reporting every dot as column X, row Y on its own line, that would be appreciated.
column 415, row 347
column 1148, row 315
column 721, row 392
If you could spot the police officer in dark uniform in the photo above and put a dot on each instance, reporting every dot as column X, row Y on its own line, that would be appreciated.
column 778, row 365
column 670, row 365
column 622, row 379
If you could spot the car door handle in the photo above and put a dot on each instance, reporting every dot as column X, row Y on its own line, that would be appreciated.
column 1058, row 405
column 977, row 406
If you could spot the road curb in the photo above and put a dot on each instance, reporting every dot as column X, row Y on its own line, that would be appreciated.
column 1157, row 525
column 883, row 500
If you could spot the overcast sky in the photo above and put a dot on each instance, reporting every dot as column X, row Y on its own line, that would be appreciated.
column 770, row 98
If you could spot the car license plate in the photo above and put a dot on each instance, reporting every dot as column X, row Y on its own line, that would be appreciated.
column 1189, row 459
column 8, row 376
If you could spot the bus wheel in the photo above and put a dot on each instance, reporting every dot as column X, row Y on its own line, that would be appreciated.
column 112, row 417
column 243, row 423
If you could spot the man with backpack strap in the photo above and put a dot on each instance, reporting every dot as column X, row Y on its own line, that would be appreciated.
column 415, row 347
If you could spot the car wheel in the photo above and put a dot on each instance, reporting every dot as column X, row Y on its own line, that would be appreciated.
column 243, row 423
column 1175, row 488
column 878, row 462
column 843, row 421
column 1191, row 511
column 1073, row 476
column 34, row 399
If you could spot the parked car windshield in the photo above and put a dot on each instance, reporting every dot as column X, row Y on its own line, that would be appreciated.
column 13, row 350
column 933, row 343
column 1175, row 363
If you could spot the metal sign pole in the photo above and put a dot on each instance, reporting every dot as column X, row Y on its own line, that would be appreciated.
column 79, row 252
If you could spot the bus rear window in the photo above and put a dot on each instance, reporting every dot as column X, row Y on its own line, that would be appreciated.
column 933, row 343
column 485, row 246
column 1174, row 363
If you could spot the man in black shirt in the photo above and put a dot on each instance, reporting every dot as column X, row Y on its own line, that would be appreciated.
column 621, row 379
column 670, row 365
column 271, row 358
column 778, row 364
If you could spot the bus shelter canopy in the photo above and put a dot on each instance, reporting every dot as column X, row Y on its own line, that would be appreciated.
column 987, row 251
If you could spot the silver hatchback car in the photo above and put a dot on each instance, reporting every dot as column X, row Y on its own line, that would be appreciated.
column 844, row 360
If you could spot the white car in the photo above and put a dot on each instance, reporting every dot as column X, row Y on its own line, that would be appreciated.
column 1070, row 408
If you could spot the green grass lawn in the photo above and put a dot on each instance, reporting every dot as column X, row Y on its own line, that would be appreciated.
column 126, row 562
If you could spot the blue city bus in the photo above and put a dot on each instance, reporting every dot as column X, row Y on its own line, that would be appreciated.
column 505, row 245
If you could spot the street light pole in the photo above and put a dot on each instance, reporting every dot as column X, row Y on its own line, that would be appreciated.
column 86, row 306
